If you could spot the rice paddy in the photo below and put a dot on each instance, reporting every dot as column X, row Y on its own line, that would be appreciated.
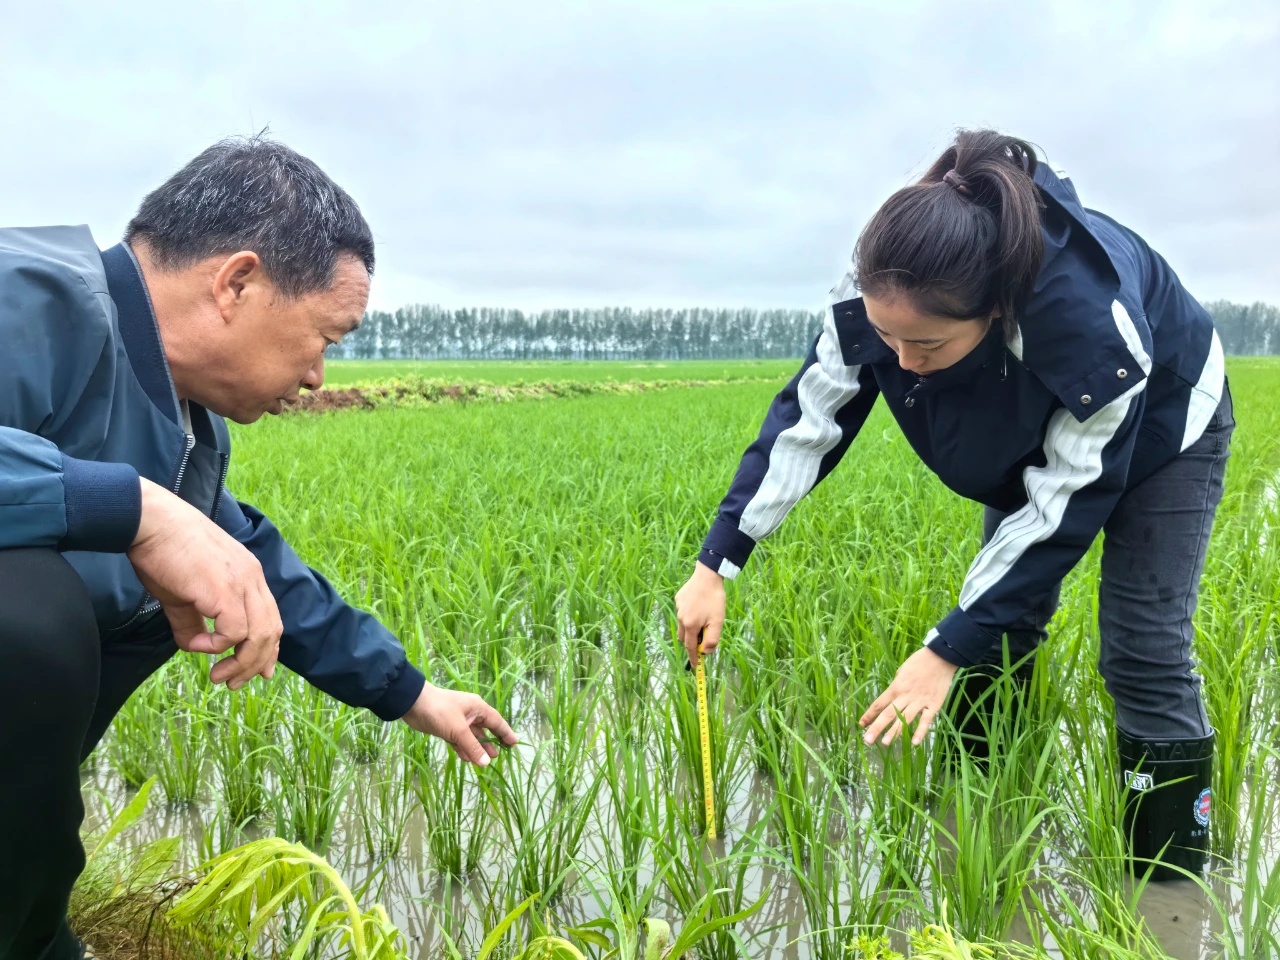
column 529, row 551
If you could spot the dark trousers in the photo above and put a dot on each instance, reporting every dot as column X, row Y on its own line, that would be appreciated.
column 60, row 686
column 1152, row 557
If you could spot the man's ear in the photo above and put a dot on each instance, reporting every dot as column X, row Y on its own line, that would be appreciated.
column 233, row 279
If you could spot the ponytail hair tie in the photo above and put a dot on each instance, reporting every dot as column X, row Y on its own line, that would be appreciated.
column 957, row 181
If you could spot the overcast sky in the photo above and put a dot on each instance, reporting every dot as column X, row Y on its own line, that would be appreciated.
column 545, row 152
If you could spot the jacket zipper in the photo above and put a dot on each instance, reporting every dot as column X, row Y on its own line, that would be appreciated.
column 217, row 491
column 910, row 400
column 148, row 604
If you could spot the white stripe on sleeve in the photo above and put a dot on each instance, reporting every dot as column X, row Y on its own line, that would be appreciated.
column 798, row 451
column 1073, row 459
column 728, row 569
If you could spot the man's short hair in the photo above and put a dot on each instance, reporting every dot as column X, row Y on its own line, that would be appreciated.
column 252, row 193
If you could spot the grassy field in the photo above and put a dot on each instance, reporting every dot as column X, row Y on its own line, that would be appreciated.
column 530, row 550
column 340, row 373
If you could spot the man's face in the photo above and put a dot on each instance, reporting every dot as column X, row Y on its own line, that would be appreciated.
column 276, row 345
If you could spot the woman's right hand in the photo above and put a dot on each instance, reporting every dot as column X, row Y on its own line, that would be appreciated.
column 700, row 610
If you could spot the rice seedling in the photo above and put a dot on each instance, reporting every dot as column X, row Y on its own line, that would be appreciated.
column 243, row 753
column 543, row 831
column 701, row 882
column 841, row 885
column 187, row 722
column 307, row 808
column 1256, row 933
column 632, row 803
column 383, row 798
column 678, row 736
column 133, row 740
column 983, row 864
column 569, row 708
column 451, row 801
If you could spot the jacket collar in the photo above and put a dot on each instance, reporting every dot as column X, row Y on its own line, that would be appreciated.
column 1061, row 194
column 860, row 344
column 139, row 330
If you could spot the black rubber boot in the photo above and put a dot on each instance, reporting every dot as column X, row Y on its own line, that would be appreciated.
column 1166, row 812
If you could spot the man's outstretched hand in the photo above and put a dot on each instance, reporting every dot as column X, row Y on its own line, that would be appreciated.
column 461, row 720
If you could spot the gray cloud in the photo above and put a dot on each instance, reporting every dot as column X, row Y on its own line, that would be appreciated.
column 638, row 152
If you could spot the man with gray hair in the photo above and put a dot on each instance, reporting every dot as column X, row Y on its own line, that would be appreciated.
column 117, row 536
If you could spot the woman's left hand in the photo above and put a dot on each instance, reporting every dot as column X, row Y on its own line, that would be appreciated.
column 919, row 689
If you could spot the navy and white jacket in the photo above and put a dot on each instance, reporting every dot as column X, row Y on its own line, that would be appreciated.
column 1115, row 370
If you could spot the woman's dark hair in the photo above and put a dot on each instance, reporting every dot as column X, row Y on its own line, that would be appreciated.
column 965, row 240
column 253, row 193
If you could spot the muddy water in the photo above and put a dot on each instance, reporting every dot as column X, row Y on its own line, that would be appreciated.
column 1179, row 914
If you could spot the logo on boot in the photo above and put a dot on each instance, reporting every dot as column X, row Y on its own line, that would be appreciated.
column 1201, row 809
column 1138, row 781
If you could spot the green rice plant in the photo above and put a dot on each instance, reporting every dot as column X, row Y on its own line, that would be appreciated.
column 453, row 806
column 366, row 738
column 763, row 695
column 706, row 884
column 628, row 782
column 187, row 722
column 544, row 831
column 495, row 600
column 1235, row 692
column 586, row 603
column 243, row 752
column 982, row 866
column 383, row 796
column 1114, row 928
column 544, row 593
column 134, row 739
column 464, row 914
column 679, row 733
column 840, row 888
column 570, row 710
column 835, row 716
column 897, row 791
column 1251, row 927
column 635, row 619
column 489, row 670
column 1092, row 833
column 312, row 788
column 797, row 808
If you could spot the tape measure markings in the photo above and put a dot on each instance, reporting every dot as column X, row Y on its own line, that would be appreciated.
column 704, row 731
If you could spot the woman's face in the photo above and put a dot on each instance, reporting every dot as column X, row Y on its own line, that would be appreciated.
column 924, row 344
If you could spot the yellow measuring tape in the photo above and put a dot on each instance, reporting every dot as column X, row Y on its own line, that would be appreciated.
column 704, row 732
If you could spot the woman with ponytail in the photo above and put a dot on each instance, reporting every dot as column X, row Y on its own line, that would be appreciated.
column 1045, row 362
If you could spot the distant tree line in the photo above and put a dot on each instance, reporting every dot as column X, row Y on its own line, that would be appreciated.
column 1247, row 331
column 620, row 333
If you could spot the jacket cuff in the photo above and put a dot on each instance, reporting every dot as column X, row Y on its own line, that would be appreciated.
column 726, row 549
column 104, row 505
column 401, row 693
column 958, row 640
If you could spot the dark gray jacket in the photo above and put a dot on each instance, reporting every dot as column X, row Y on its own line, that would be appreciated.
column 87, row 405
